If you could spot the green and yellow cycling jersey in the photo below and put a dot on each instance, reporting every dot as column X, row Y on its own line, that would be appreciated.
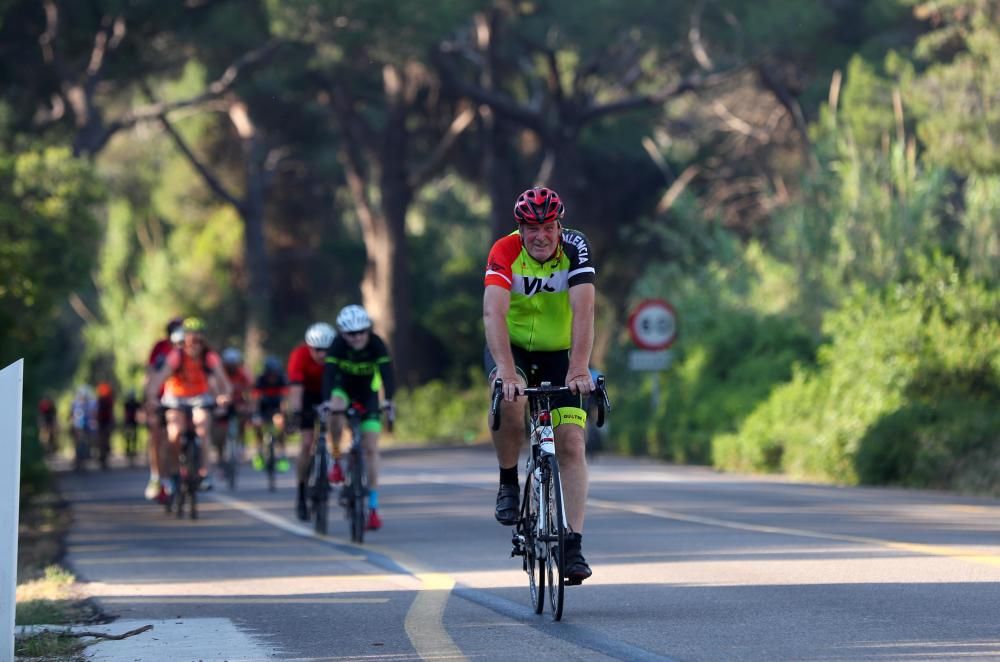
column 540, row 318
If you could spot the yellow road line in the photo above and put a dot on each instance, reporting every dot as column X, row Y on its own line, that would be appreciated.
column 424, row 622
column 975, row 556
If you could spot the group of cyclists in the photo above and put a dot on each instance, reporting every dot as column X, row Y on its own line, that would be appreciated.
column 538, row 315
column 323, row 375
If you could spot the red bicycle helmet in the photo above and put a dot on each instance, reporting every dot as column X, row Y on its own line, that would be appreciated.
column 538, row 205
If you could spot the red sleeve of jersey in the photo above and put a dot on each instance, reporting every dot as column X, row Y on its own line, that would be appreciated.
column 297, row 365
column 174, row 359
column 502, row 256
column 159, row 349
column 212, row 360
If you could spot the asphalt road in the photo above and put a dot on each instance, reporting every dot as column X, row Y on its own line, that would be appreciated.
column 688, row 564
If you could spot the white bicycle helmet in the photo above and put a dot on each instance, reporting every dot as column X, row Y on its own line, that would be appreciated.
column 320, row 335
column 353, row 318
column 232, row 356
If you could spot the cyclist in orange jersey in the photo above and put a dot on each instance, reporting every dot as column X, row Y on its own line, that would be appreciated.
column 185, row 379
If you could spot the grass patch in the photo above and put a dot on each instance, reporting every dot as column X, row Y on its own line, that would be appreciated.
column 49, row 646
column 47, row 593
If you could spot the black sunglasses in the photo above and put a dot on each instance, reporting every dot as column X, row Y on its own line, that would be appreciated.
column 355, row 334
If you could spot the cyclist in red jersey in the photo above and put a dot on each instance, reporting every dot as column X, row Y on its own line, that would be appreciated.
column 305, row 378
column 185, row 376
column 155, row 420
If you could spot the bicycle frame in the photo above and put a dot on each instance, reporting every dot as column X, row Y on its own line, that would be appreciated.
column 535, row 536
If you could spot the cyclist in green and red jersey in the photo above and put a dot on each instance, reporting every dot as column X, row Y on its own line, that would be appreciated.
column 538, row 313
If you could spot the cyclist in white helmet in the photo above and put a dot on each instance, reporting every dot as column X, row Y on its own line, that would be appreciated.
column 357, row 366
column 305, row 378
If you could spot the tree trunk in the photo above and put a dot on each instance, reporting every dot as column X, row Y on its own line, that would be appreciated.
column 258, row 292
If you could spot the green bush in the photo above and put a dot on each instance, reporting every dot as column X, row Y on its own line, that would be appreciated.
column 722, row 370
column 441, row 412
column 904, row 392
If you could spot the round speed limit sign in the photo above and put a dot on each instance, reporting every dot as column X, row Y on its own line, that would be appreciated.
column 653, row 324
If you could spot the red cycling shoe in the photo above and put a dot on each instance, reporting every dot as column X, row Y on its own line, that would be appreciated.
column 374, row 521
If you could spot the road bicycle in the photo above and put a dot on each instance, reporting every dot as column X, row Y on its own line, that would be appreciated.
column 318, row 478
column 187, row 487
column 270, row 452
column 539, row 535
column 130, row 435
column 354, row 493
column 232, row 448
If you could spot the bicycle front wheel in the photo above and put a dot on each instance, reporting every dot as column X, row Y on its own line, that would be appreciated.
column 534, row 564
column 555, row 538
column 320, row 495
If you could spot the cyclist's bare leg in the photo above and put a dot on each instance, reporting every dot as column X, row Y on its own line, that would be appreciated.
column 510, row 437
column 305, row 455
column 155, row 441
column 202, row 427
column 278, row 419
column 172, row 452
column 369, row 441
column 571, row 452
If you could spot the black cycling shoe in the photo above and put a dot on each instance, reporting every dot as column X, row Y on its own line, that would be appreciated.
column 508, row 504
column 576, row 566
column 301, row 510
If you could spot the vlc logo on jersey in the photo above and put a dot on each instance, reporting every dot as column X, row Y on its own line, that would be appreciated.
column 534, row 285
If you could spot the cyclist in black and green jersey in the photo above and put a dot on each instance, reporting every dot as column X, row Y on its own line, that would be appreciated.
column 538, row 313
column 357, row 367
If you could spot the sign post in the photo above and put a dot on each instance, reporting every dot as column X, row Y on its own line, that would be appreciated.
column 653, row 328
column 11, row 394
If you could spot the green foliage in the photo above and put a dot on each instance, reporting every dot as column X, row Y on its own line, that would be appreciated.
column 955, row 97
column 735, row 342
column 441, row 412
column 905, row 391
column 47, row 239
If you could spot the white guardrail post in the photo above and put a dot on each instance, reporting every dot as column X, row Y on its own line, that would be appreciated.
column 11, row 396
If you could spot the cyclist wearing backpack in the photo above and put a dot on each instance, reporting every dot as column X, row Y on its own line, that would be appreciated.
column 185, row 378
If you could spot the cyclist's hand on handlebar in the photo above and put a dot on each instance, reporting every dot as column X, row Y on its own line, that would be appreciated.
column 579, row 382
column 222, row 400
column 512, row 386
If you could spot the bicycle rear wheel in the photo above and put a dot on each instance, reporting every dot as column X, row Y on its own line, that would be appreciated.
column 357, row 498
column 555, row 538
column 534, row 564
column 231, row 461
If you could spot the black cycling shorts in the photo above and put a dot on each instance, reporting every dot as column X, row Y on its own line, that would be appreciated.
column 310, row 399
column 538, row 367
